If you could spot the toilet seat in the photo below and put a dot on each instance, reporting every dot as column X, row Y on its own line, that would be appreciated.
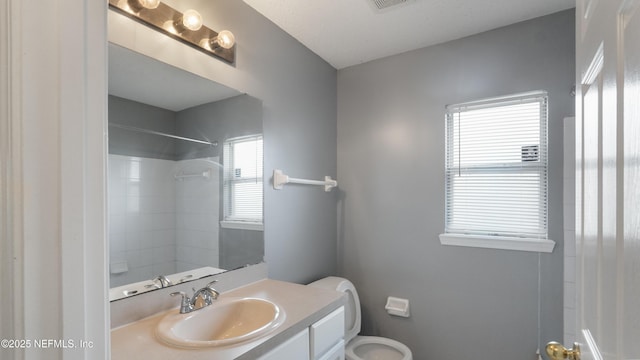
column 376, row 348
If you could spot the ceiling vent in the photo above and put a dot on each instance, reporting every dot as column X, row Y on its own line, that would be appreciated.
column 384, row 5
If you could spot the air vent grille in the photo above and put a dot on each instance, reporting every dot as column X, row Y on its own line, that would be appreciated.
column 384, row 4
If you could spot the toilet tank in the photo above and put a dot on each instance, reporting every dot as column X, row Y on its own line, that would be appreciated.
column 352, row 307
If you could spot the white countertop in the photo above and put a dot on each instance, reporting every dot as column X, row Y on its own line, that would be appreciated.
column 303, row 305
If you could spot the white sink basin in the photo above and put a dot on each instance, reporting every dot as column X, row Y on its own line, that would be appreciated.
column 225, row 322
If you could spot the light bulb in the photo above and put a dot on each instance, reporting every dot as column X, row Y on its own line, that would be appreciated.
column 192, row 20
column 149, row 4
column 225, row 39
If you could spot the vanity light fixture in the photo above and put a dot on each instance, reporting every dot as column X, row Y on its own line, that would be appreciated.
column 186, row 27
column 225, row 40
column 149, row 4
column 135, row 6
column 191, row 20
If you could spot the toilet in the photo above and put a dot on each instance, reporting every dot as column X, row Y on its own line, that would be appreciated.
column 362, row 347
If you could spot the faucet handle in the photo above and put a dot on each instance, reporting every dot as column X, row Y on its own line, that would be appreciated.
column 213, row 292
column 184, row 303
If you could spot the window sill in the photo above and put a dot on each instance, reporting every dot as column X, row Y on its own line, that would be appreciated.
column 503, row 243
column 242, row 225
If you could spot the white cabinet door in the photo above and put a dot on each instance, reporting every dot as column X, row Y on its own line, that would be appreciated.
column 326, row 332
column 335, row 353
column 295, row 348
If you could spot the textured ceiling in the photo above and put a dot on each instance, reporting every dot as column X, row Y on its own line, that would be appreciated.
column 350, row 32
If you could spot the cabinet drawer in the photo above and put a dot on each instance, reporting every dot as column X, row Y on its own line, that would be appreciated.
column 325, row 333
column 335, row 353
column 295, row 348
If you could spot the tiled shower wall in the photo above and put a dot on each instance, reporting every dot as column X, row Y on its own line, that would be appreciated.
column 142, row 220
column 158, row 225
column 197, row 214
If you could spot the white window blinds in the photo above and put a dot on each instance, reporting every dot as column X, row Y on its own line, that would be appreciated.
column 243, row 169
column 496, row 167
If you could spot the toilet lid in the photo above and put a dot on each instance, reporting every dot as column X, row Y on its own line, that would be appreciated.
column 376, row 348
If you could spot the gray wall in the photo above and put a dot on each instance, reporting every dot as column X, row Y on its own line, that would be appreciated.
column 240, row 247
column 466, row 303
column 217, row 121
column 298, row 93
column 132, row 143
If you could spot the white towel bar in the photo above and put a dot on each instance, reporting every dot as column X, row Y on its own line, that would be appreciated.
column 206, row 174
column 279, row 179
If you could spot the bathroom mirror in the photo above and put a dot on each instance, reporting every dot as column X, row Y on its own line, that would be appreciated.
column 185, row 175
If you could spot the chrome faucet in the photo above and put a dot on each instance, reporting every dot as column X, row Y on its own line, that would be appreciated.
column 162, row 280
column 201, row 298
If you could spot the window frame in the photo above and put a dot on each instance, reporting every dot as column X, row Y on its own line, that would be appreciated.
column 229, row 219
column 487, row 239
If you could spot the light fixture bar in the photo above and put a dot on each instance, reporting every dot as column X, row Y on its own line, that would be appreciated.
column 163, row 18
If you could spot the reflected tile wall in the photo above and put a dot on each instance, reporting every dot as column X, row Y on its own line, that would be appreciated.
column 197, row 214
column 142, row 217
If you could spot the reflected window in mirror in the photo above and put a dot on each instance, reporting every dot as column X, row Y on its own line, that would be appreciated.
column 243, row 169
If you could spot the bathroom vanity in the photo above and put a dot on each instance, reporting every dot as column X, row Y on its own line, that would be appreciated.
column 310, row 326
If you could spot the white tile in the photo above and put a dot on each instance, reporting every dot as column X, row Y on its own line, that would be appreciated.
column 116, row 187
column 133, row 205
column 146, row 240
column 117, row 166
column 133, row 240
column 141, row 274
column 202, row 222
column 568, row 190
column 163, row 237
column 569, row 321
column 137, row 222
column 132, row 259
column 162, row 204
column 209, row 240
column 569, row 295
column 134, row 168
column 164, row 254
column 183, row 266
column 167, row 267
column 117, row 204
column 144, row 257
column 185, row 253
column 117, row 242
column 570, row 268
column 163, row 221
column 189, row 238
column 144, row 204
column 117, row 256
column 118, row 280
column 117, row 224
column 569, row 243
column 569, row 216
column 206, row 257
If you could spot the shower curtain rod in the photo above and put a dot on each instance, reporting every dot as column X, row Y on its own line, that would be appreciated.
column 146, row 131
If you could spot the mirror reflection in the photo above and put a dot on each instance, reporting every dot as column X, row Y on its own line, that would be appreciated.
column 185, row 175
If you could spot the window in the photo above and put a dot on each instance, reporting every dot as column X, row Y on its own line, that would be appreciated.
column 243, row 171
column 496, row 173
